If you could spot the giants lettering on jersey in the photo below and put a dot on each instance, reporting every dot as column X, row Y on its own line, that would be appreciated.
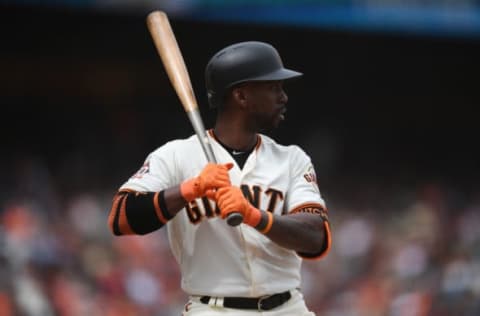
column 253, row 194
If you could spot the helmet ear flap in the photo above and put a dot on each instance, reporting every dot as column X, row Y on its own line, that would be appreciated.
column 211, row 99
column 215, row 98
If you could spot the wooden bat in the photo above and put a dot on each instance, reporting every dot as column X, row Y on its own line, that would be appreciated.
column 167, row 47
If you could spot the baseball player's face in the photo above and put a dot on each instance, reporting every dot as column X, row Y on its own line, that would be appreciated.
column 267, row 103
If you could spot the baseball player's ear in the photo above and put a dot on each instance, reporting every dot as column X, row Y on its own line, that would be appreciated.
column 240, row 96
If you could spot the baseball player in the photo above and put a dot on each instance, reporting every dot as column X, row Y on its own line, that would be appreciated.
column 253, row 268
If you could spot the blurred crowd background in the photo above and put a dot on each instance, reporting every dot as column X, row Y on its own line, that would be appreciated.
column 388, row 116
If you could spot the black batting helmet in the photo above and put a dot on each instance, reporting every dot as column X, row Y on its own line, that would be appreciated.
column 241, row 62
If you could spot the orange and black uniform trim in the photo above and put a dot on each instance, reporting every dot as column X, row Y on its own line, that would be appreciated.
column 319, row 210
column 137, row 212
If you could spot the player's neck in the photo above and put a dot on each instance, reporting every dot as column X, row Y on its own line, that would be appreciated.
column 234, row 137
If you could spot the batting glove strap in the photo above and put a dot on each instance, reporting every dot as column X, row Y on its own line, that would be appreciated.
column 252, row 216
column 190, row 189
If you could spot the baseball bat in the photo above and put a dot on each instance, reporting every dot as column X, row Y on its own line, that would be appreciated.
column 172, row 59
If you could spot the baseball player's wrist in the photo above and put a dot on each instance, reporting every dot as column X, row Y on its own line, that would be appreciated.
column 265, row 224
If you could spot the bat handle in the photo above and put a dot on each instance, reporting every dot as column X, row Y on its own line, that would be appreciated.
column 235, row 218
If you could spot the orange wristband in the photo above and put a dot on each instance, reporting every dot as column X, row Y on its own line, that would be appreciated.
column 269, row 223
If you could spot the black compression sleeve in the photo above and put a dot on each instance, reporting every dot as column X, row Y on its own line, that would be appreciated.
column 144, row 212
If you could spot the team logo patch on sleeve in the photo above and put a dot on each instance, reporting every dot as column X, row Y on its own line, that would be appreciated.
column 311, row 177
column 143, row 170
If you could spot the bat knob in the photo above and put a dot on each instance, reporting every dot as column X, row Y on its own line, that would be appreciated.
column 234, row 219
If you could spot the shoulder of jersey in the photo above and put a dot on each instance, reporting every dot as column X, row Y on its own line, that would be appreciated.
column 270, row 142
column 178, row 143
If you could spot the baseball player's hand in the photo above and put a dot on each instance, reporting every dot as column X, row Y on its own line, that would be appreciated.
column 212, row 177
column 230, row 199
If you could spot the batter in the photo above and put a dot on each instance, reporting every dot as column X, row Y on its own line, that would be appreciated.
column 253, row 268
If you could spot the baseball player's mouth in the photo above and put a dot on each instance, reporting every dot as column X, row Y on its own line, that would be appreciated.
column 282, row 114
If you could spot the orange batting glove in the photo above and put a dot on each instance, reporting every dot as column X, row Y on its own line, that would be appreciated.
column 212, row 177
column 230, row 199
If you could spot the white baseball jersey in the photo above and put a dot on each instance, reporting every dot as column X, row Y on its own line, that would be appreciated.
column 217, row 259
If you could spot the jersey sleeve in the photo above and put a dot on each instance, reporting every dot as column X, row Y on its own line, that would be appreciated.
column 304, row 196
column 139, row 205
column 157, row 173
column 303, row 189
